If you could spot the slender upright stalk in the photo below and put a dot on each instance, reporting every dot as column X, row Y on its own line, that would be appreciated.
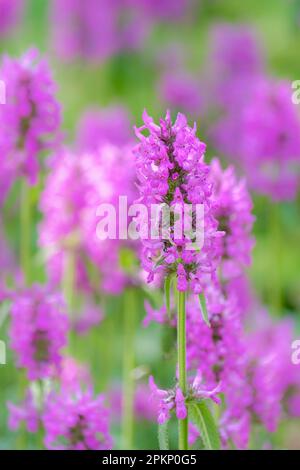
column 128, row 366
column 25, row 231
column 25, row 260
column 68, row 289
column 181, row 346
column 68, row 282
column 276, row 268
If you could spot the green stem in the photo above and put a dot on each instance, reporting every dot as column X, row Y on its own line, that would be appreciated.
column 276, row 260
column 25, row 260
column 68, row 281
column 181, row 345
column 25, row 232
column 68, row 288
column 128, row 366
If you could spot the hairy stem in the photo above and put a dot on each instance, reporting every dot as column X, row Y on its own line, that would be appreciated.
column 68, row 289
column 25, row 260
column 181, row 346
column 128, row 366
column 25, row 231
column 68, row 282
column 276, row 268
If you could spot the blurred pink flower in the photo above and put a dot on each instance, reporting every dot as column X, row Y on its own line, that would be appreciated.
column 85, row 31
column 26, row 411
column 38, row 330
column 76, row 421
column 261, row 133
column 181, row 91
column 73, row 376
column 10, row 12
column 167, row 401
column 75, row 187
column 98, row 126
column 30, row 119
column 233, row 210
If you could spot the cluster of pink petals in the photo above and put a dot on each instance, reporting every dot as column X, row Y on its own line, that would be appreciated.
column 219, row 353
column 30, row 118
column 167, row 401
column 38, row 331
column 171, row 170
column 59, row 405
column 232, row 209
column 9, row 15
column 75, row 187
column 76, row 421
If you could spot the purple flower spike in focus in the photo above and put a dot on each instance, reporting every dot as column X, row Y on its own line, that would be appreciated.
column 76, row 421
column 171, row 171
column 30, row 118
column 38, row 331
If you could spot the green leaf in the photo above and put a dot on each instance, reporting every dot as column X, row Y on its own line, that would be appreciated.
column 163, row 436
column 203, row 419
column 204, row 309
column 168, row 282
